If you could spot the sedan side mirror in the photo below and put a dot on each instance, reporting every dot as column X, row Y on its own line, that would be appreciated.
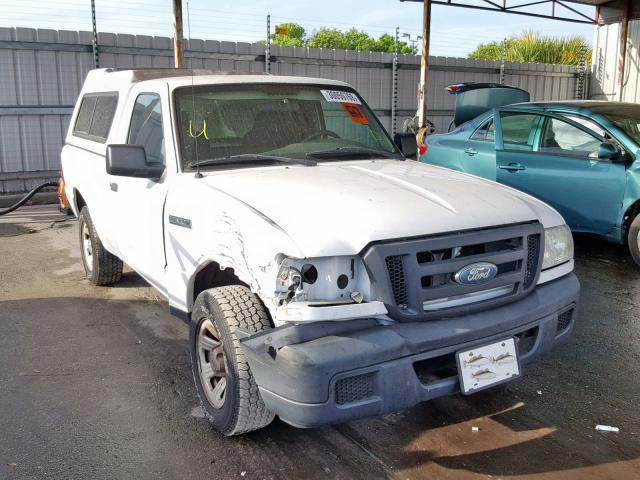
column 131, row 161
column 407, row 144
column 608, row 151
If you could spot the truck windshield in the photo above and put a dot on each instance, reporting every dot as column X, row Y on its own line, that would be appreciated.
column 283, row 120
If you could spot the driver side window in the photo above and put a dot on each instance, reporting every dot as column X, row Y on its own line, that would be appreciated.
column 146, row 127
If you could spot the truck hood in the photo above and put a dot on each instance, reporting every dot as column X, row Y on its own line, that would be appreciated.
column 339, row 208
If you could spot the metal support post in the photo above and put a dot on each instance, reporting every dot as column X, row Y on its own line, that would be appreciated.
column 424, row 64
column 622, row 60
column 267, row 50
column 504, row 61
column 394, row 84
column 94, row 43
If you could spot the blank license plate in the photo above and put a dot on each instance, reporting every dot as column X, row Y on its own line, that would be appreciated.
column 488, row 365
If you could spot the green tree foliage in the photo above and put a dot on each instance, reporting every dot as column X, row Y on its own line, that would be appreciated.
column 352, row 39
column 295, row 36
column 533, row 48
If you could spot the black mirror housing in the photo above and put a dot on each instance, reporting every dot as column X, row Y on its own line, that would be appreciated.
column 407, row 144
column 608, row 151
column 131, row 161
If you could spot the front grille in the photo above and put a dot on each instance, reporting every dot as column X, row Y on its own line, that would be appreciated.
column 533, row 256
column 416, row 277
column 398, row 280
column 564, row 320
column 354, row 389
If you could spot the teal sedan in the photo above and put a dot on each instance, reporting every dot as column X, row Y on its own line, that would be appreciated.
column 580, row 157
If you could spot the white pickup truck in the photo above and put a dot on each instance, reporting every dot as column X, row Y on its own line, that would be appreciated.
column 324, row 276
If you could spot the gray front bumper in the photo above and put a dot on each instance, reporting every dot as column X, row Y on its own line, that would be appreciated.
column 338, row 371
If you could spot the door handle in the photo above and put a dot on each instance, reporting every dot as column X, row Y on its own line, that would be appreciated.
column 113, row 186
column 471, row 151
column 512, row 167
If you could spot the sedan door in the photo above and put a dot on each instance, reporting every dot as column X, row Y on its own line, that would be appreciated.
column 478, row 155
column 556, row 160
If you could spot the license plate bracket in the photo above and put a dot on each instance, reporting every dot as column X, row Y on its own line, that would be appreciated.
column 488, row 365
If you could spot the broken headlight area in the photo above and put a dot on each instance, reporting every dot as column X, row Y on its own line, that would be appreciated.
column 341, row 279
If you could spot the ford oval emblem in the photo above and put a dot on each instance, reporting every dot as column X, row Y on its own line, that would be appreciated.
column 476, row 274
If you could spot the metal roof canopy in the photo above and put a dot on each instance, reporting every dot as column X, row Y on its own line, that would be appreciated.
column 562, row 10
column 520, row 7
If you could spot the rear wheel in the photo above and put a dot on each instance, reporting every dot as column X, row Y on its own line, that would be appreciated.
column 633, row 239
column 227, row 390
column 100, row 266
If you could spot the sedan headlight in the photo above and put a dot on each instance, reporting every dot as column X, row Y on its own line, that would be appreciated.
column 558, row 246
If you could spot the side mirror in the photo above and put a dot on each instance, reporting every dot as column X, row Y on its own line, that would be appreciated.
column 608, row 151
column 407, row 144
column 131, row 161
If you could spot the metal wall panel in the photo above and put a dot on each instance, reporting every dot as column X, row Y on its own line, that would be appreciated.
column 41, row 72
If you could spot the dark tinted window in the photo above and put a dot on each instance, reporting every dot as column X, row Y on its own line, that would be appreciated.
column 146, row 127
column 95, row 116
column 83, row 121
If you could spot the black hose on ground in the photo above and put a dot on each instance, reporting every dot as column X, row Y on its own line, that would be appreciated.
column 27, row 197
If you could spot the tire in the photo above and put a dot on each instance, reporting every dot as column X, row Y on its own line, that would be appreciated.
column 633, row 239
column 236, row 406
column 100, row 266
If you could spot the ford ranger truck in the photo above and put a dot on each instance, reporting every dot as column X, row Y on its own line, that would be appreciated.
column 324, row 276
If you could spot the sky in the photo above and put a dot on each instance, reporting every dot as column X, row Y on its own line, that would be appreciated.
column 455, row 32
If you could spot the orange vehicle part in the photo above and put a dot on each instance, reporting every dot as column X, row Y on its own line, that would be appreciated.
column 63, row 201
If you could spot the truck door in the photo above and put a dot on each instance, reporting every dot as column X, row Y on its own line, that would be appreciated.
column 138, row 203
column 556, row 160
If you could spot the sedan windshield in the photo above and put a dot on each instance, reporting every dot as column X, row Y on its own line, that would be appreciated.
column 220, row 123
column 625, row 117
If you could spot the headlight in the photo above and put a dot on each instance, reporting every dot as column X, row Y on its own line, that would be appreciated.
column 558, row 246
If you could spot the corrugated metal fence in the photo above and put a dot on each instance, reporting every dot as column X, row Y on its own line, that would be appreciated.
column 41, row 72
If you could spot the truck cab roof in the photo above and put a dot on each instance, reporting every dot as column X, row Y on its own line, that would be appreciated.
column 110, row 79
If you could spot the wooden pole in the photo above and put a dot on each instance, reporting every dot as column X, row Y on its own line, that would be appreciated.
column 178, row 54
column 424, row 64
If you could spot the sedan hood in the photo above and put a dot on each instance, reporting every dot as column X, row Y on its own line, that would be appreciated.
column 339, row 208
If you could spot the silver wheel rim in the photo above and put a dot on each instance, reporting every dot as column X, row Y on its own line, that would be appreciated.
column 212, row 364
column 87, row 248
column 638, row 240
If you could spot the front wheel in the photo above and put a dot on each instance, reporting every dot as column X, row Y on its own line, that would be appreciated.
column 227, row 390
column 633, row 239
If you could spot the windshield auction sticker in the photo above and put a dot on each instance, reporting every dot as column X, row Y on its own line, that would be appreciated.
column 340, row 96
column 355, row 113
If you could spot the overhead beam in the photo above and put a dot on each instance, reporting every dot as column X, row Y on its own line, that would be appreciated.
column 491, row 6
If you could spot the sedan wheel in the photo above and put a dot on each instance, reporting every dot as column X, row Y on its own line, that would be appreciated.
column 633, row 239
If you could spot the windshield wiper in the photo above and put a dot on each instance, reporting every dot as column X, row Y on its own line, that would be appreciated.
column 354, row 151
column 250, row 158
